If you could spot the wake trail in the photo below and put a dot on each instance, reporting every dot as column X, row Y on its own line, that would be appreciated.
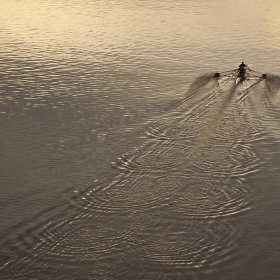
column 167, row 206
column 202, row 107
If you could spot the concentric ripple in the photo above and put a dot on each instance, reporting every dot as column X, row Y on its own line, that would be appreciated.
column 166, row 208
column 160, row 240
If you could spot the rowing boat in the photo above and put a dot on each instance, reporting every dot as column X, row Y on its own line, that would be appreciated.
column 241, row 74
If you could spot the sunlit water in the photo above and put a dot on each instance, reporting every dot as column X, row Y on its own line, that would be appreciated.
column 121, row 156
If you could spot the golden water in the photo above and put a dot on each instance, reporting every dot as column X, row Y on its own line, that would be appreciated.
column 121, row 157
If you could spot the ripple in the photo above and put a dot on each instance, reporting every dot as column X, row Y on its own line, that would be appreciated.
column 232, row 159
column 192, row 245
column 140, row 244
column 66, row 247
column 155, row 155
column 192, row 195
column 212, row 197
column 127, row 195
column 209, row 237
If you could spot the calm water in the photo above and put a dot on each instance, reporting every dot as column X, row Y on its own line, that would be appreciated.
column 120, row 158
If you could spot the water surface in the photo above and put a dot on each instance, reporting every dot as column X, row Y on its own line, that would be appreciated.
column 121, row 157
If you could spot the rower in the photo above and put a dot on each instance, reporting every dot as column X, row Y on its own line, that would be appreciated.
column 242, row 65
column 241, row 69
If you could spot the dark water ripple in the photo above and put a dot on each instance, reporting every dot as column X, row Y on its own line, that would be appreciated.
column 167, row 208
column 153, row 241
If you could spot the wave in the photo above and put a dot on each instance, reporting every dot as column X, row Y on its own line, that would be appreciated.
column 167, row 209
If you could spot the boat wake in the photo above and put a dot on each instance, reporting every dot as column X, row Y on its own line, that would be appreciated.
column 167, row 210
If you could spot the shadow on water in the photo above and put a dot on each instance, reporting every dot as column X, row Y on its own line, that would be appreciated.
column 166, row 213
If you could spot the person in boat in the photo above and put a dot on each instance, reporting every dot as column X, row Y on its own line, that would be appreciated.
column 241, row 69
column 243, row 65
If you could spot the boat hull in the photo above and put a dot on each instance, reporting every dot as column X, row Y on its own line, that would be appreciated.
column 238, row 80
column 240, row 77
